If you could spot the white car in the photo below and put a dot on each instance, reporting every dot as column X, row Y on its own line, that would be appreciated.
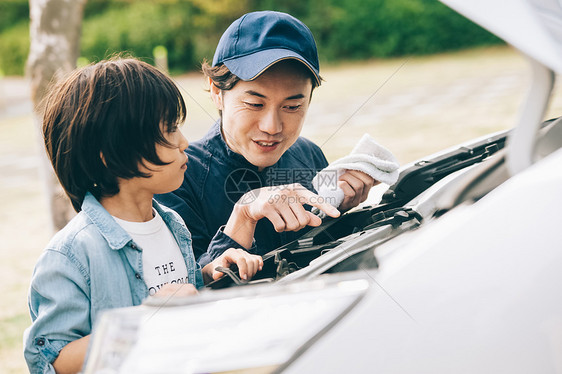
column 457, row 268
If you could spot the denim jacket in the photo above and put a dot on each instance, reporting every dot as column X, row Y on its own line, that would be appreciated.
column 216, row 177
column 89, row 266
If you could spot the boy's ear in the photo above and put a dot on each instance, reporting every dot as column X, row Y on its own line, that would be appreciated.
column 102, row 159
column 216, row 95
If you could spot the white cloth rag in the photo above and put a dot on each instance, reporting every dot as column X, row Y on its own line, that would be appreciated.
column 367, row 156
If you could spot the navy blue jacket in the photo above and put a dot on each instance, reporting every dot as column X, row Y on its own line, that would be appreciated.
column 216, row 178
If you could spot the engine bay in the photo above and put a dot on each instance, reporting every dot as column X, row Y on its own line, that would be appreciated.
column 392, row 213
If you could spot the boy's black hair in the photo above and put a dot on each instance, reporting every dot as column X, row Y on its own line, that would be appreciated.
column 104, row 120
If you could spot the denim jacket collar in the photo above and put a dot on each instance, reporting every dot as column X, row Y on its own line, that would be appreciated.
column 114, row 234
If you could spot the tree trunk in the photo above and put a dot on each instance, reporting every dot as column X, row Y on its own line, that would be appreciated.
column 55, row 46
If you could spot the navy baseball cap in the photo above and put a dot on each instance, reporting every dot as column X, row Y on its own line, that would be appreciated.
column 257, row 40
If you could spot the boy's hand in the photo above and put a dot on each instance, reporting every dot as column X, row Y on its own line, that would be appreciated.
column 176, row 289
column 248, row 264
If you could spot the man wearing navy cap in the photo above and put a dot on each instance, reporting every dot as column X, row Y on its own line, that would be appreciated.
column 252, row 164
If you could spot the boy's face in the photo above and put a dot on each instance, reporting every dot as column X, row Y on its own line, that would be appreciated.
column 262, row 118
column 166, row 178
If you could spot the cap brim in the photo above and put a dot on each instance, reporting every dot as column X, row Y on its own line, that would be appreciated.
column 250, row 67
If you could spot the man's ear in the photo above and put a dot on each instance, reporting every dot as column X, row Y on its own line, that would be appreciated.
column 216, row 94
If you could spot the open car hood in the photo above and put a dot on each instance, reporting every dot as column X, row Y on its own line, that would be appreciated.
column 534, row 27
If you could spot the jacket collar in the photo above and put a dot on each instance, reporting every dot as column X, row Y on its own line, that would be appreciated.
column 114, row 234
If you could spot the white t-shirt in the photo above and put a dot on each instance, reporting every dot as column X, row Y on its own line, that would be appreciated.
column 162, row 260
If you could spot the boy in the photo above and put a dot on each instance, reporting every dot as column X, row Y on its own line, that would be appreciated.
column 111, row 132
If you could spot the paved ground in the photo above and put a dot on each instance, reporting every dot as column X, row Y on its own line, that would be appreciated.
column 412, row 106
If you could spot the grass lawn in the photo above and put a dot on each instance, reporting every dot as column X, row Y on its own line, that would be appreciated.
column 413, row 106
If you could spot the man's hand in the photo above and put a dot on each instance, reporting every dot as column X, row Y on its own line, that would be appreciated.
column 248, row 264
column 283, row 206
column 355, row 186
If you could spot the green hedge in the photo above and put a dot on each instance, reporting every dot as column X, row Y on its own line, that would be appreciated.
column 138, row 28
column 358, row 29
column 190, row 29
column 14, row 48
column 13, row 12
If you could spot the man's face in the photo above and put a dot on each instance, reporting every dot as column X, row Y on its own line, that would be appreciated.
column 262, row 118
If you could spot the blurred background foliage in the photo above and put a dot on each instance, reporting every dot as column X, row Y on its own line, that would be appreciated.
column 190, row 29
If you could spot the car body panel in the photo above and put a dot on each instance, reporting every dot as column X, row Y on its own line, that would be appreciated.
column 480, row 286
